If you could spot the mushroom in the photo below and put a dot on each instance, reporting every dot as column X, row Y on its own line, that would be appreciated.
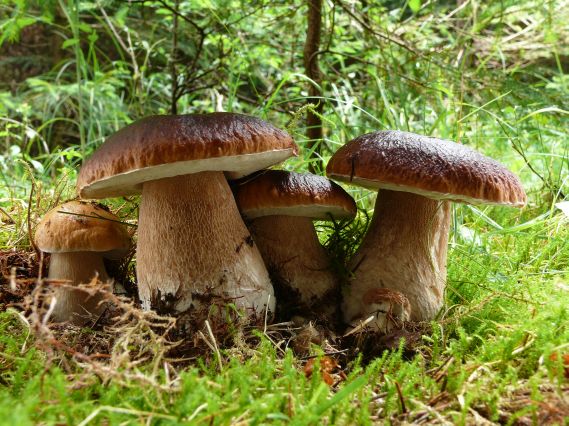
column 405, row 248
column 389, row 309
column 193, row 247
column 281, row 207
column 79, row 235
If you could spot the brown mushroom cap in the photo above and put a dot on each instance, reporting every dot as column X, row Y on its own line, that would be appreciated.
column 81, row 226
column 427, row 166
column 278, row 192
column 163, row 146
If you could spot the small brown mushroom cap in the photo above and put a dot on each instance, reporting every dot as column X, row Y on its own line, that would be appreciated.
column 431, row 167
column 278, row 192
column 163, row 146
column 82, row 226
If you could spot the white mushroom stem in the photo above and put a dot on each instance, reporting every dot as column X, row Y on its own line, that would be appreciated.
column 76, row 306
column 405, row 249
column 194, row 249
column 297, row 261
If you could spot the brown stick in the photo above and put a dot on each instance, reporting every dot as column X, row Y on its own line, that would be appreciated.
column 311, row 51
column 401, row 397
column 173, row 63
column 29, row 220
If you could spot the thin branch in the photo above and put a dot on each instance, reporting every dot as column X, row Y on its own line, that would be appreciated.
column 373, row 31
column 174, row 11
column 126, row 48
column 314, row 131
column 173, row 60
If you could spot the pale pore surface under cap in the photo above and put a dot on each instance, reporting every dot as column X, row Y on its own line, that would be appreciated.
column 307, row 211
column 377, row 185
column 130, row 183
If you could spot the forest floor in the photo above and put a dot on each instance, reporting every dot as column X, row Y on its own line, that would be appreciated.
column 497, row 354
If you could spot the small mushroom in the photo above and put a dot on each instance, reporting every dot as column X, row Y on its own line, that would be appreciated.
column 79, row 235
column 389, row 308
column 405, row 248
column 192, row 243
column 280, row 207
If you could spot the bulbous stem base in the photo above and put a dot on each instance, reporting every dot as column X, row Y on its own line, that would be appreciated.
column 194, row 249
column 405, row 249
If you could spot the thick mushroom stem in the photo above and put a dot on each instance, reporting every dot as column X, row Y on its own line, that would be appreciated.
column 194, row 249
column 298, row 264
column 405, row 249
column 76, row 306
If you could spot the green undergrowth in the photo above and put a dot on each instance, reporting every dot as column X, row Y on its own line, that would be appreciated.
column 504, row 344
column 507, row 312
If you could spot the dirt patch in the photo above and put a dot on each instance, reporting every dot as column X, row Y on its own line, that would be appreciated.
column 185, row 337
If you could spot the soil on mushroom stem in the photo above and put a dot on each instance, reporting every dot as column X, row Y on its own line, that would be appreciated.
column 182, row 340
column 323, row 310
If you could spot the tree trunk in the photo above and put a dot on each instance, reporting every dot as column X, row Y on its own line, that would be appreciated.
column 311, row 51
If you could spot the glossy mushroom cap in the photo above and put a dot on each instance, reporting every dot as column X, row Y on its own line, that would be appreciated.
column 163, row 146
column 431, row 167
column 79, row 226
column 278, row 192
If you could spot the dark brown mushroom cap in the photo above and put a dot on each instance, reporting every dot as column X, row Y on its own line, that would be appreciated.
column 278, row 192
column 431, row 167
column 163, row 146
column 82, row 226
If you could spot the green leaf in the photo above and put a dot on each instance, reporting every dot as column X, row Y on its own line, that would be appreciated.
column 93, row 37
column 69, row 42
column 25, row 21
column 346, row 391
column 86, row 28
column 415, row 5
column 121, row 15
